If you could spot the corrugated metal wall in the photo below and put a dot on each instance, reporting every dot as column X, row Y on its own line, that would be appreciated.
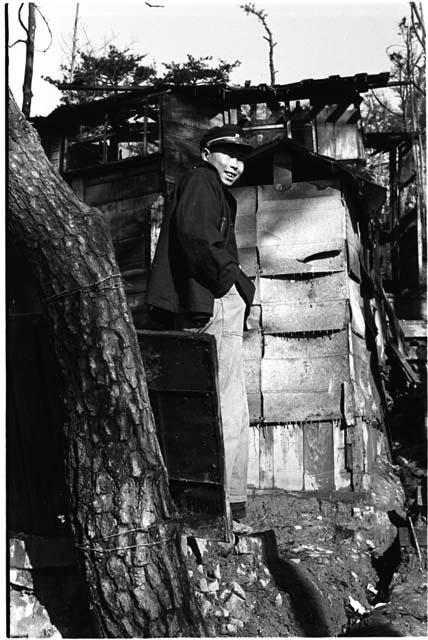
column 305, row 350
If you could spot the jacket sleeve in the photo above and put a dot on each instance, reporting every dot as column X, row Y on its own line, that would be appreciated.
column 201, row 243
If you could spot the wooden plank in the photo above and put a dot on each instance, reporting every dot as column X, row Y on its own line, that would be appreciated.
column 289, row 407
column 132, row 253
column 255, row 406
column 288, row 457
column 330, row 345
column 287, row 259
column 246, row 232
column 301, row 317
column 318, row 456
column 356, row 303
column 266, row 456
column 253, row 476
column 298, row 190
column 342, row 477
column 123, row 187
column 313, row 288
column 129, row 217
column 304, row 374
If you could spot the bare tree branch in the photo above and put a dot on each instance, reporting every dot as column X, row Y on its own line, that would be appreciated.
column 250, row 8
column 394, row 113
column 21, row 6
column 155, row 6
column 16, row 42
column 49, row 29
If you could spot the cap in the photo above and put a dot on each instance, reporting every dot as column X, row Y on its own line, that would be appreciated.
column 228, row 135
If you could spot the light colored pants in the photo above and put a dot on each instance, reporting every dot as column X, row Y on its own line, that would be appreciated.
column 227, row 325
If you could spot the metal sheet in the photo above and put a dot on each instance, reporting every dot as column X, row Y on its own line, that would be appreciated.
column 305, row 317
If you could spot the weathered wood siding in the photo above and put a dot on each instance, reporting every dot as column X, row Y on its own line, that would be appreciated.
column 132, row 200
column 306, row 344
column 184, row 122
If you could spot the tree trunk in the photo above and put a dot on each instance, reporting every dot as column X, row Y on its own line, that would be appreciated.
column 123, row 518
column 29, row 61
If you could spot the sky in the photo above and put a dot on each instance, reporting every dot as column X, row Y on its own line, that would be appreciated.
column 314, row 39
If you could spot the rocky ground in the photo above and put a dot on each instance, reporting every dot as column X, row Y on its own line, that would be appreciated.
column 340, row 564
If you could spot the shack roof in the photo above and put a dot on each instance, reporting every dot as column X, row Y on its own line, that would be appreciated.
column 371, row 194
column 320, row 91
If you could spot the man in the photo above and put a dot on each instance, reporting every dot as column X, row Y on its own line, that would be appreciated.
column 196, row 275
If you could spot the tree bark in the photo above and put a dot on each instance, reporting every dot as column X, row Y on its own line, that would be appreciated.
column 123, row 519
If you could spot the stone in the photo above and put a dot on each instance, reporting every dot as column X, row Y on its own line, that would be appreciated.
column 238, row 623
column 202, row 545
column 213, row 586
column 29, row 619
column 21, row 578
column 206, row 607
column 264, row 583
column 231, row 628
column 248, row 545
column 217, row 572
column 183, row 544
column 236, row 588
column 278, row 600
column 203, row 585
column 225, row 594
column 235, row 605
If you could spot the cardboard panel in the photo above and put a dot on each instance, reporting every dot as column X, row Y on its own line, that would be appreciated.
column 318, row 456
column 309, row 224
column 309, row 374
column 288, row 457
column 248, row 260
column 287, row 259
column 311, row 289
column 288, row 407
column 330, row 345
column 301, row 317
column 252, row 375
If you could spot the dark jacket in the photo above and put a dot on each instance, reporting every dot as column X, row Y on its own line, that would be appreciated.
column 196, row 258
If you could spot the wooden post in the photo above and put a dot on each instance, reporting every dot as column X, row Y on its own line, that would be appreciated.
column 145, row 146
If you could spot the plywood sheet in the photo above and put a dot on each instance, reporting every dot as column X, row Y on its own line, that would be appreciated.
column 304, row 374
column 301, row 317
column 252, row 344
column 288, row 407
column 266, row 456
column 288, row 457
column 315, row 288
column 330, row 345
column 253, row 476
column 318, row 456
column 288, row 259
column 246, row 201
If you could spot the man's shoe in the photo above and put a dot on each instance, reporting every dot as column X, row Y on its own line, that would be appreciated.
column 240, row 527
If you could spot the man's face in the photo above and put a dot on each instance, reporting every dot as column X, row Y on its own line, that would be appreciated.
column 228, row 163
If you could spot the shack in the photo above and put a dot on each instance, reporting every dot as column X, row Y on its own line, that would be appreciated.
column 308, row 233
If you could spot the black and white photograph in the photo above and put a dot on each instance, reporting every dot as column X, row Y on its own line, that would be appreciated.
column 215, row 325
